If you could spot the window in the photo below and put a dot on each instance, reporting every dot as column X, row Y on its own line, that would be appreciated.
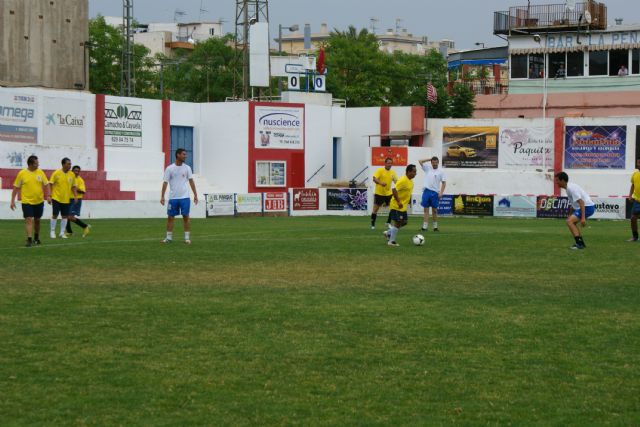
column 536, row 66
column 575, row 64
column 618, row 58
column 212, row 32
column 271, row 173
column 598, row 63
column 557, row 63
column 518, row 66
column 635, row 61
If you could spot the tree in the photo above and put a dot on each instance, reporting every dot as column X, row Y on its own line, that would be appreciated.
column 462, row 101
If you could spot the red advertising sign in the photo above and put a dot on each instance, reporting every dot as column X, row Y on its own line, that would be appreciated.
column 306, row 199
column 400, row 155
column 275, row 202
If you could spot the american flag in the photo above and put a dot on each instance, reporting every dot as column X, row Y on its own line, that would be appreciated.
column 432, row 94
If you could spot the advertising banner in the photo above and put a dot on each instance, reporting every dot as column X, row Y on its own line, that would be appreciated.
column 306, row 199
column 525, row 148
column 609, row 208
column 220, row 204
column 470, row 147
column 279, row 127
column 400, row 155
column 122, row 125
column 476, row 205
column 249, row 203
column 445, row 207
column 65, row 121
column 18, row 118
column 515, row 206
column 275, row 202
column 346, row 199
column 595, row 147
column 552, row 207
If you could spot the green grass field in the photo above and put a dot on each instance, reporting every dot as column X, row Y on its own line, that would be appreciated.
column 315, row 321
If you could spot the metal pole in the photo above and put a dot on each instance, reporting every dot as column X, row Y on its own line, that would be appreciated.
column 544, row 113
column 161, row 80
column 279, row 54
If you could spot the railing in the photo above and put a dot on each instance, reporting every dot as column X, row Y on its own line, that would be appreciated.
column 550, row 16
column 316, row 172
column 486, row 86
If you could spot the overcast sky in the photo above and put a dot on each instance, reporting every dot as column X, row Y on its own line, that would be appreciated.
column 464, row 21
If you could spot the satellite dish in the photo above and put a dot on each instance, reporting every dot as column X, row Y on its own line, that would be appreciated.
column 587, row 16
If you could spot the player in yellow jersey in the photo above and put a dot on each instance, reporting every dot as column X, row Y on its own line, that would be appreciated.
column 74, row 210
column 634, row 195
column 383, row 178
column 63, row 186
column 31, row 182
column 399, row 204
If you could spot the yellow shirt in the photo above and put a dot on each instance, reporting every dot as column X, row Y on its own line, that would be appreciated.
column 404, row 187
column 80, row 187
column 62, row 183
column 635, row 180
column 385, row 176
column 31, row 185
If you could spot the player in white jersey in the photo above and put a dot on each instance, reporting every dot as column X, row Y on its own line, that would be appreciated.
column 435, row 182
column 582, row 207
column 176, row 176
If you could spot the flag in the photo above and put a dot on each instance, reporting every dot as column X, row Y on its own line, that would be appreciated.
column 432, row 94
column 320, row 62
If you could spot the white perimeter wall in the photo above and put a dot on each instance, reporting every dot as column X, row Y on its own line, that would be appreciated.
column 318, row 138
column 360, row 122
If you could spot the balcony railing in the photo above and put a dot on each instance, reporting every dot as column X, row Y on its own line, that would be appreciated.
column 488, row 86
column 551, row 17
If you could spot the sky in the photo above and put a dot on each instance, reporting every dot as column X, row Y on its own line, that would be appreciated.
column 467, row 22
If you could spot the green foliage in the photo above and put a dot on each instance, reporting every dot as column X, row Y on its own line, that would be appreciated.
column 462, row 101
column 315, row 321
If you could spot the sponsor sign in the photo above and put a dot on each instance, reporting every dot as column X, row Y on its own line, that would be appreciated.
column 18, row 118
column 220, row 204
column 249, row 203
column 279, row 127
column 122, row 125
column 609, row 208
column 400, row 155
column 306, row 199
column 595, row 147
column 515, row 206
column 275, row 202
column 552, row 207
column 445, row 207
column 526, row 148
column 65, row 121
column 346, row 199
column 478, row 205
column 470, row 147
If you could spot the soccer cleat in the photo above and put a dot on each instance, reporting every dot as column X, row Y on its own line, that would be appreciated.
column 166, row 241
column 373, row 227
column 424, row 229
column 52, row 234
column 632, row 239
column 187, row 242
column 37, row 242
column 28, row 244
column 86, row 231
column 435, row 229
column 391, row 243
column 63, row 236
column 576, row 247
column 386, row 234
column 68, row 234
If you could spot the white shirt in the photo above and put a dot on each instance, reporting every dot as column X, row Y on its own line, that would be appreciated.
column 575, row 193
column 178, row 178
column 433, row 177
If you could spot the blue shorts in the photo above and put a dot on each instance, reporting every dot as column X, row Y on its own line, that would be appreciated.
column 76, row 207
column 635, row 208
column 588, row 211
column 399, row 216
column 179, row 207
column 430, row 199
column 32, row 211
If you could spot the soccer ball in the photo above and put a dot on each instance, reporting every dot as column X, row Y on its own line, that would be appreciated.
column 418, row 240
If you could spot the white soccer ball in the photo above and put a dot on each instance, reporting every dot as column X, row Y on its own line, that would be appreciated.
column 418, row 240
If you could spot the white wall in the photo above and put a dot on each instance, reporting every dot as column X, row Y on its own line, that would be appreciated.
column 355, row 156
column 188, row 114
column 318, row 144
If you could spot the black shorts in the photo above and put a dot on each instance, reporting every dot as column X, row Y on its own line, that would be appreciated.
column 32, row 211
column 60, row 208
column 398, row 216
column 381, row 200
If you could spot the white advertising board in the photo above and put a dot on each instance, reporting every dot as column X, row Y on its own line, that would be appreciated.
column 65, row 121
column 514, row 206
column 523, row 148
column 279, row 127
column 122, row 125
column 249, row 203
column 220, row 204
column 18, row 118
column 609, row 207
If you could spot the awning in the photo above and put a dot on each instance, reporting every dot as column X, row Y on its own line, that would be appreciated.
column 399, row 134
column 460, row 62
column 576, row 48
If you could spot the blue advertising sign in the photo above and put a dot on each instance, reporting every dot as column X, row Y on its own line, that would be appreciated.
column 595, row 147
column 446, row 205
column 346, row 199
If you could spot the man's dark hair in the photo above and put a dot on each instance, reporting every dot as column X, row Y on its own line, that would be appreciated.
column 32, row 160
column 562, row 176
column 388, row 158
column 435, row 158
column 410, row 168
column 75, row 167
column 180, row 150
column 65, row 160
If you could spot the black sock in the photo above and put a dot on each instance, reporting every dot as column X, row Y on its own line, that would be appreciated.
column 373, row 219
column 69, row 230
column 29, row 239
column 80, row 223
column 635, row 234
column 36, row 237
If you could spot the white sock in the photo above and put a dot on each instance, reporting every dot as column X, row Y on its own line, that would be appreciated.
column 393, row 232
column 63, row 225
column 425, row 225
column 169, row 235
column 435, row 224
column 187, row 235
column 53, row 224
